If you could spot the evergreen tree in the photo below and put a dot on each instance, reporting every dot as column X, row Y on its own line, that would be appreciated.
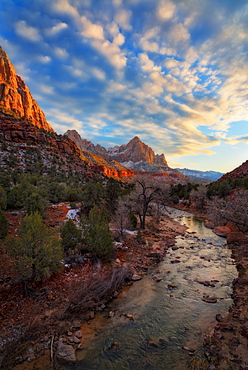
column 36, row 252
column 3, row 225
column 71, row 235
column 97, row 235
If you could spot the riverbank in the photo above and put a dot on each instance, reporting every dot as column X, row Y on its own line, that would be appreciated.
column 41, row 351
column 227, row 344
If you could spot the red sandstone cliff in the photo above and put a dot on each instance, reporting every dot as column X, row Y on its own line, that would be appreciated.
column 239, row 172
column 15, row 97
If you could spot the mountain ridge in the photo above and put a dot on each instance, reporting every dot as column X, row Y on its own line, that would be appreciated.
column 16, row 99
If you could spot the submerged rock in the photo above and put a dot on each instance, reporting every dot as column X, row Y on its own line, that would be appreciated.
column 209, row 299
column 136, row 277
column 66, row 353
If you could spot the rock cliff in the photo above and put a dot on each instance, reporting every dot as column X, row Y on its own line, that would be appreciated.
column 15, row 97
column 239, row 172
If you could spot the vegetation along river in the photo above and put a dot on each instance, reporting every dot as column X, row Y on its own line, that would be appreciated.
column 170, row 314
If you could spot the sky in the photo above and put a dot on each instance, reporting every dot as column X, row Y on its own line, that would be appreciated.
column 173, row 72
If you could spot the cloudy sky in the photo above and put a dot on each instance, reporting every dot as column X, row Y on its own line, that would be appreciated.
column 173, row 72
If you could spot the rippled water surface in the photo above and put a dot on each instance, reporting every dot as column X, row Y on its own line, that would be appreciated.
column 168, row 314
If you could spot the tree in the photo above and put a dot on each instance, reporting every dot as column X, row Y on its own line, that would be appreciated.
column 3, row 225
column 146, row 191
column 93, row 195
column 3, row 198
column 97, row 236
column 199, row 197
column 71, row 235
column 36, row 252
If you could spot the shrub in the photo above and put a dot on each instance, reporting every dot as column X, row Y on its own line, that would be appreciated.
column 71, row 235
column 36, row 252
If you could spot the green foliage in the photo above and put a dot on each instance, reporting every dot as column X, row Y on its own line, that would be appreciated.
column 180, row 191
column 36, row 252
column 71, row 235
column 93, row 195
column 224, row 187
column 97, row 235
column 112, row 192
column 3, row 225
column 3, row 198
column 133, row 220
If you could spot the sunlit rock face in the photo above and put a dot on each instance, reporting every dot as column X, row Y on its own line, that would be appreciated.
column 15, row 97
column 135, row 151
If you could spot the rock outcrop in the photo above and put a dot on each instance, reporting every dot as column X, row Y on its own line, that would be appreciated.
column 136, row 151
column 239, row 172
column 15, row 97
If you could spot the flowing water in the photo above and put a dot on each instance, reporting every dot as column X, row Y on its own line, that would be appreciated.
column 169, row 314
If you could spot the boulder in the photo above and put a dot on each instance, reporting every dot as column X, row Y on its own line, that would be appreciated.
column 136, row 277
column 221, row 230
column 66, row 353
column 235, row 237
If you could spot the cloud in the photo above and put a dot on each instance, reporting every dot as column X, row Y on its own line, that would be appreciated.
column 119, row 39
column 44, row 59
column 165, row 10
column 91, row 30
column 28, row 32
column 147, row 64
column 56, row 29
column 122, row 18
column 112, row 52
column 61, row 53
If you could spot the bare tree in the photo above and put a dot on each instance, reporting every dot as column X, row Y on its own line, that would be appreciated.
column 121, row 218
column 234, row 208
column 146, row 192
column 199, row 196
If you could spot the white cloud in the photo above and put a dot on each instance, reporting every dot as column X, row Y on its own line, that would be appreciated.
column 165, row 10
column 179, row 33
column 98, row 73
column 30, row 33
column 56, row 29
column 119, row 39
column 91, row 30
column 122, row 18
column 46, row 89
column 60, row 53
column 112, row 52
column 147, row 64
column 44, row 59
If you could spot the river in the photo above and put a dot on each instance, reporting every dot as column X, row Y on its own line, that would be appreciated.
column 166, row 315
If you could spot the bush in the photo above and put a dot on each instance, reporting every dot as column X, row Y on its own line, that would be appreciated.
column 37, row 252
column 71, row 235
column 97, row 235
column 3, row 225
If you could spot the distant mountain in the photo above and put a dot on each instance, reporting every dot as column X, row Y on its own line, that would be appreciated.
column 15, row 97
column 204, row 176
column 135, row 155
column 240, row 172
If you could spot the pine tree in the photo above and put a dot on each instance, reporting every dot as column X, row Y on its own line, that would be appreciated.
column 36, row 252
column 3, row 225
column 98, row 237
column 71, row 235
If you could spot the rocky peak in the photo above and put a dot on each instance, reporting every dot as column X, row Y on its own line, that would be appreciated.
column 15, row 97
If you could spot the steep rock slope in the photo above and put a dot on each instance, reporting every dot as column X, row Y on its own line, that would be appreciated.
column 240, row 172
column 135, row 155
column 15, row 97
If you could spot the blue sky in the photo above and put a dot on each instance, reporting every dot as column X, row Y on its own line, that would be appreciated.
column 173, row 72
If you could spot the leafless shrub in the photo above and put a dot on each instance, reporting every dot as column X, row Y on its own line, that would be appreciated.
column 88, row 294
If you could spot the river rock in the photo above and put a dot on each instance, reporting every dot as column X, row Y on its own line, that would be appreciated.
column 76, row 324
column 218, row 317
column 235, row 238
column 175, row 261
column 136, row 277
column 209, row 299
column 66, row 353
column 221, row 230
column 189, row 349
column 157, row 278
column 78, row 334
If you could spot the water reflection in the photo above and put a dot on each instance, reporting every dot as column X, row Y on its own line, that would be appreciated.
column 170, row 314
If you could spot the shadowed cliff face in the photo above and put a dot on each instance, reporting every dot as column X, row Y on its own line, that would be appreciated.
column 15, row 97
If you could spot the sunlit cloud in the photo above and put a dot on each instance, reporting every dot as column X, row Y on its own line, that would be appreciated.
column 28, row 32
